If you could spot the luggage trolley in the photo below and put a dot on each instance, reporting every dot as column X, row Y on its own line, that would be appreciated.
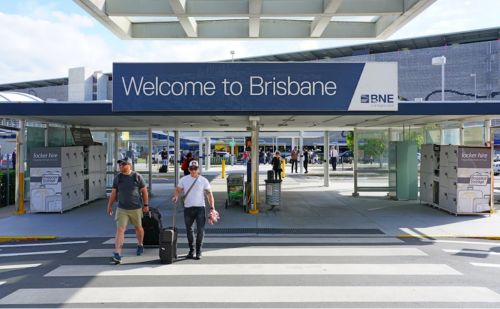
column 235, row 189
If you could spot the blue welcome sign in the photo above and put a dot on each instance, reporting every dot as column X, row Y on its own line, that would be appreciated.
column 255, row 87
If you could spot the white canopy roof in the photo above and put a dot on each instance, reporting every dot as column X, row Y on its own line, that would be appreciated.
column 342, row 19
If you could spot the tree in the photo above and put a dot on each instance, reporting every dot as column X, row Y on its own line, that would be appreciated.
column 349, row 139
column 373, row 147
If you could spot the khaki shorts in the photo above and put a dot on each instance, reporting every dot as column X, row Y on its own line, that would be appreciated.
column 123, row 216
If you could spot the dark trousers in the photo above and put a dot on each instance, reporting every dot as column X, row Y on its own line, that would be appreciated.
column 294, row 163
column 334, row 163
column 277, row 174
column 305, row 165
column 192, row 214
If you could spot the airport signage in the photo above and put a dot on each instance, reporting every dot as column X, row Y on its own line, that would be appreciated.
column 255, row 87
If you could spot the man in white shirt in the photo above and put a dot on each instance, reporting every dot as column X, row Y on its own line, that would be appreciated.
column 333, row 157
column 196, row 187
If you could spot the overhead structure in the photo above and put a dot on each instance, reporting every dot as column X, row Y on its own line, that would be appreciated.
column 238, row 19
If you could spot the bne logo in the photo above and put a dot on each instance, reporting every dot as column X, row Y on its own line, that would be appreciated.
column 377, row 98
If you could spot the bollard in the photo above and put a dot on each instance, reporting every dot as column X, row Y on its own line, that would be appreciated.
column 283, row 165
column 20, row 197
column 223, row 168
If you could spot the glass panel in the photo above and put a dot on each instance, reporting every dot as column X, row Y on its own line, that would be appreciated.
column 473, row 136
column 134, row 145
column 451, row 136
column 433, row 136
column 56, row 136
column 373, row 146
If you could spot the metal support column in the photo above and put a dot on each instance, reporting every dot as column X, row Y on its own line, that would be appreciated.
column 200, row 151
column 177, row 150
column 487, row 136
column 255, row 164
column 326, row 148
column 117, row 151
column 207, row 153
column 301, row 150
column 355, row 161
column 20, row 158
column 46, row 135
column 462, row 138
column 149, row 160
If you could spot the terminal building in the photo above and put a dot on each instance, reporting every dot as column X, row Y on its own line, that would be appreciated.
column 443, row 109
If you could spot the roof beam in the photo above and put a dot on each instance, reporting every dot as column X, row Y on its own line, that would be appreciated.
column 188, row 23
column 120, row 26
column 254, row 10
column 319, row 24
column 388, row 25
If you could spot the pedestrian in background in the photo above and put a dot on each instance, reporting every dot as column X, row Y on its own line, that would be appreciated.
column 294, row 158
column 194, row 187
column 333, row 157
column 185, row 163
column 128, row 186
column 13, row 158
column 276, row 162
column 306, row 159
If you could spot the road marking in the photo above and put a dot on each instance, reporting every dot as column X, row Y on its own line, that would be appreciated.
column 253, row 269
column 266, row 251
column 45, row 244
column 283, row 240
column 33, row 253
column 18, row 266
column 486, row 265
column 254, row 294
column 469, row 251
column 3, row 282
column 460, row 242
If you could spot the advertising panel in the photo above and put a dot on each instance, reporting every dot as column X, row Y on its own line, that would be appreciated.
column 255, row 87
column 474, row 179
column 45, row 179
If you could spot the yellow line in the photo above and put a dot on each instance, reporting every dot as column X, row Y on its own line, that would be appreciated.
column 26, row 238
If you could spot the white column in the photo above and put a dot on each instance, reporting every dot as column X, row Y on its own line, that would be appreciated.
column 117, row 150
column 326, row 151
column 461, row 139
column 208, row 153
column 255, row 159
column 301, row 149
column 487, row 136
column 150, row 159
column 46, row 135
column 177, row 149
column 355, row 160
column 200, row 151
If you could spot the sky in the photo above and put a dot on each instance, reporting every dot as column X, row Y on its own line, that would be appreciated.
column 41, row 39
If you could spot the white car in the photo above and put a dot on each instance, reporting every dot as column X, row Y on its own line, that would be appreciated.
column 496, row 167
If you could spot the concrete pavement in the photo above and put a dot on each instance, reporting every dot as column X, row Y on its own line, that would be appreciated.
column 306, row 204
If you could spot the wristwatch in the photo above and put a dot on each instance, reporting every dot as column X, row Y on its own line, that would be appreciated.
column 146, row 205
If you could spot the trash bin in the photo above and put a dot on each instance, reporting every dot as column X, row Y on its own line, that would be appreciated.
column 273, row 193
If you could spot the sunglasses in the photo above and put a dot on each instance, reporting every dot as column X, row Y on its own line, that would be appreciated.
column 122, row 164
column 193, row 168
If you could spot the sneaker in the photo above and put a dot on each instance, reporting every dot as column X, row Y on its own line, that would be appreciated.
column 140, row 250
column 198, row 256
column 116, row 258
column 190, row 255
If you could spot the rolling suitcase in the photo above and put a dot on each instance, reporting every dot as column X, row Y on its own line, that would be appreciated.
column 151, row 223
column 168, row 242
column 163, row 169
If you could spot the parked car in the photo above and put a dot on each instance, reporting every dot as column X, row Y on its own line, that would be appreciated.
column 346, row 157
column 286, row 155
column 222, row 154
column 496, row 167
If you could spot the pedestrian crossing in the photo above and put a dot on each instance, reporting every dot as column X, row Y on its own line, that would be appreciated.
column 263, row 272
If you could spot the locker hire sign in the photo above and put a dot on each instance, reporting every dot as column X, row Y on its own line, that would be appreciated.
column 255, row 87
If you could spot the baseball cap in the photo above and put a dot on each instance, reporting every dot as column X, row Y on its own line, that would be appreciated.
column 193, row 163
column 125, row 161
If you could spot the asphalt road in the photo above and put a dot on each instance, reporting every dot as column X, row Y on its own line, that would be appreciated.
column 266, row 271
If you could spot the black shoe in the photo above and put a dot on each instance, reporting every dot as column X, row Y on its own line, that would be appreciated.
column 198, row 256
column 190, row 255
